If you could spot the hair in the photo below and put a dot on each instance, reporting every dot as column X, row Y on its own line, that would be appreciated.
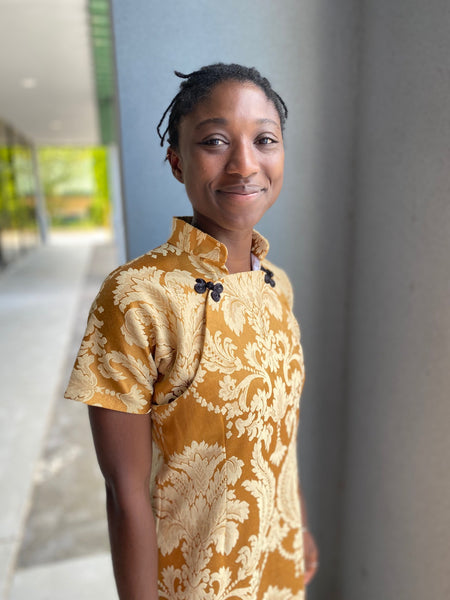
column 199, row 84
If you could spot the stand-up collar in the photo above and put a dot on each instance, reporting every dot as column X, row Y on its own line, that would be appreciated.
column 188, row 238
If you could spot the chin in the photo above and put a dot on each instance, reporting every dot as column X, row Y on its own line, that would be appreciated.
column 241, row 223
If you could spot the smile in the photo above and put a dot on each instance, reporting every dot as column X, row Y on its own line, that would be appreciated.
column 241, row 190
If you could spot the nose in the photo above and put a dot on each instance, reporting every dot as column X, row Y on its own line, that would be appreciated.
column 242, row 160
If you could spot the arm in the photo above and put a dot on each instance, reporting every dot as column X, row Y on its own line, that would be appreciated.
column 123, row 444
column 310, row 550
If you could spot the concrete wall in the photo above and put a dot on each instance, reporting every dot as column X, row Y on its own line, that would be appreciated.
column 307, row 49
column 397, row 502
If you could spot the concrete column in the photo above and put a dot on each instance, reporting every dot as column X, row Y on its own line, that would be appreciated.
column 41, row 207
column 397, row 503
column 115, row 191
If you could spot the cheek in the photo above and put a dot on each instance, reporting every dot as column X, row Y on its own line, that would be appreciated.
column 274, row 162
column 277, row 172
column 277, row 181
column 200, row 168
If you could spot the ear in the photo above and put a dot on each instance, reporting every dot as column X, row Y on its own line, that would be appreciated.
column 176, row 164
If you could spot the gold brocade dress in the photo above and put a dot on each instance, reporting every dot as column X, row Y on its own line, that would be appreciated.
column 216, row 358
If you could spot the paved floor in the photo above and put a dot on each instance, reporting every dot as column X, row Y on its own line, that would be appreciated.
column 53, row 540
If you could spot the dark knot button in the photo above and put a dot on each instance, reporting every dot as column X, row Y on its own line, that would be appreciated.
column 216, row 288
column 216, row 291
column 268, row 277
column 200, row 286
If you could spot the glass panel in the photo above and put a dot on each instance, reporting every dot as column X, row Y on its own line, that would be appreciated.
column 18, row 224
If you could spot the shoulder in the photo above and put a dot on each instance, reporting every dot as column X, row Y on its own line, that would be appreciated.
column 146, row 279
column 163, row 258
column 281, row 279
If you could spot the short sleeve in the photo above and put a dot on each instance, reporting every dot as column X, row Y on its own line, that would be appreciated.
column 115, row 367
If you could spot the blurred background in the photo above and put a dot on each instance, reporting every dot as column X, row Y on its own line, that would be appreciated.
column 58, row 121
column 61, row 232
column 362, row 227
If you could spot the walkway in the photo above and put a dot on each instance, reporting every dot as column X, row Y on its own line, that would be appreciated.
column 53, row 540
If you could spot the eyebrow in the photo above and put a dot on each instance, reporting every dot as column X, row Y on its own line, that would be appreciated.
column 216, row 120
column 222, row 121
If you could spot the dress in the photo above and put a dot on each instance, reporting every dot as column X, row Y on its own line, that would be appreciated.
column 216, row 359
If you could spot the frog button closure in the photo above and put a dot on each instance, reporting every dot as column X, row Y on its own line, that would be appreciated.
column 216, row 288
column 268, row 277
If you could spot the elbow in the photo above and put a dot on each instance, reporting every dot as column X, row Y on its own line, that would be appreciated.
column 126, row 497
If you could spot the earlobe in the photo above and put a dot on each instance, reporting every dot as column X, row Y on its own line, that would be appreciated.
column 175, row 163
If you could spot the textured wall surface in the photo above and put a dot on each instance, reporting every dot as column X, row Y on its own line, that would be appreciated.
column 397, row 505
column 307, row 49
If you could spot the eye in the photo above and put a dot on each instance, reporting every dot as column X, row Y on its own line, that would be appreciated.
column 213, row 142
column 266, row 140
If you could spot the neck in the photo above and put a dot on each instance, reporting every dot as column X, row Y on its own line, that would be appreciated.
column 239, row 255
column 238, row 243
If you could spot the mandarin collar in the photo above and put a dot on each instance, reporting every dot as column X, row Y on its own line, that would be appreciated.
column 189, row 239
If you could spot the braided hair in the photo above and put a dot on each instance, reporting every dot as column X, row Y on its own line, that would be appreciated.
column 199, row 84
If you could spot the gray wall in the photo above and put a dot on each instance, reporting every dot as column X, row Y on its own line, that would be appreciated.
column 397, row 502
column 362, row 227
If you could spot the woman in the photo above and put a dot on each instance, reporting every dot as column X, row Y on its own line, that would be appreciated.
column 195, row 349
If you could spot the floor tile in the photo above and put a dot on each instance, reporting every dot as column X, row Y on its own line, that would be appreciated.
column 87, row 578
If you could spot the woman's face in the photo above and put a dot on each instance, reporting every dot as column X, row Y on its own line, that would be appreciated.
column 230, row 157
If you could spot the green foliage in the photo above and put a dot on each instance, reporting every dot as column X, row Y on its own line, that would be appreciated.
column 75, row 184
column 65, row 171
column 100, row 201
column 17, row 201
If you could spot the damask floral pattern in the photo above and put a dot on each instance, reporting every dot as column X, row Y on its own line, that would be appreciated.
column 222, row 379
column 197, row 510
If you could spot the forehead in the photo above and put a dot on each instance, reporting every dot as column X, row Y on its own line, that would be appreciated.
column 234, row 101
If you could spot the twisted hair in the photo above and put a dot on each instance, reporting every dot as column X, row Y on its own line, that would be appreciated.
column 198, row 85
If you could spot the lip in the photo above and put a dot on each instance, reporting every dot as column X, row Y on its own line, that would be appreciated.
column 242, row 189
